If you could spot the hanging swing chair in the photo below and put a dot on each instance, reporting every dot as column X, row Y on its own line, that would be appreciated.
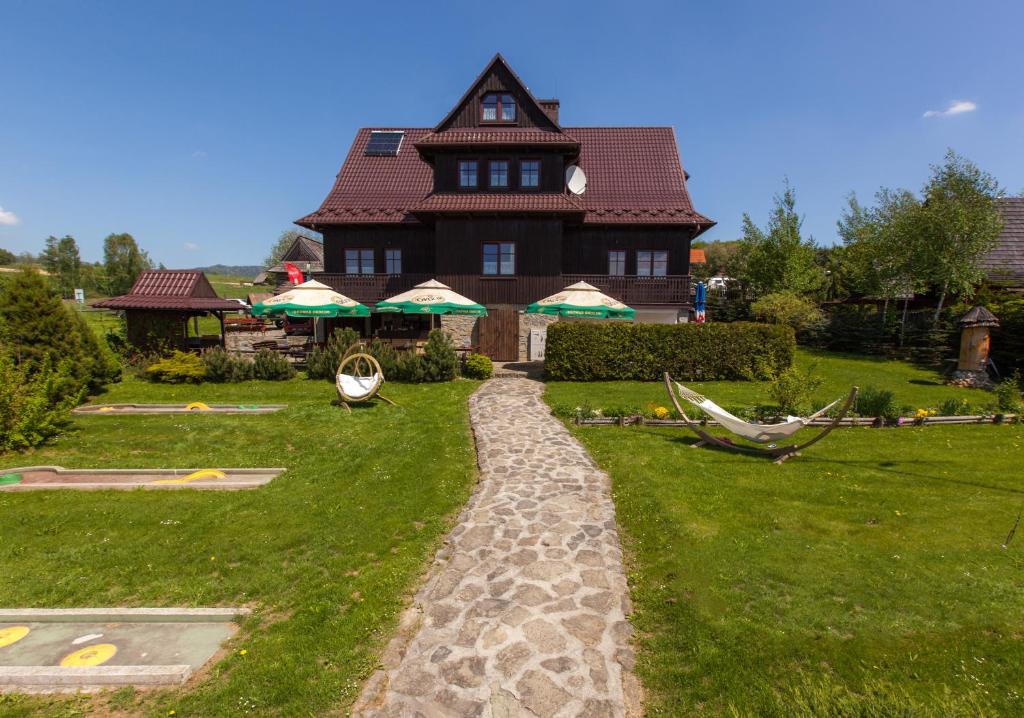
column 759, row 433
column 359, row 378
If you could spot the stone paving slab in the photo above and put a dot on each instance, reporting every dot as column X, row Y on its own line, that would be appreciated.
column 525, row 612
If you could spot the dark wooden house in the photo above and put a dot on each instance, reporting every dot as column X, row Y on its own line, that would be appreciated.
column 479, row 201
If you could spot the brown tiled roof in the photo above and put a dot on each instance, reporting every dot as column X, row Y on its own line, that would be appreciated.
column 530, row 202
column 376, row 189
column 496, row 137
column 1005, row 263
column 170, row 289
column 634, row 176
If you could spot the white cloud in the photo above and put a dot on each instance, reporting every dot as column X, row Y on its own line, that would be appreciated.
column 199, row 154
column 8, row 218
column 956, row 107
column 191, row 246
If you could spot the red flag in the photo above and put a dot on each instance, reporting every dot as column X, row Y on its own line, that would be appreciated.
column 294, row 273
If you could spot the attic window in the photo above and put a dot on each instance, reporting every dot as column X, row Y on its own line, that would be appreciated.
column 384, row 143
column 498, row 107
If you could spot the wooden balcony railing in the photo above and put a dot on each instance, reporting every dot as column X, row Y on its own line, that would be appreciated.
column 633, row 290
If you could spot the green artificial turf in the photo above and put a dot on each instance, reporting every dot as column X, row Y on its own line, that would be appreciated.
column 324, row 554
column 865, row 578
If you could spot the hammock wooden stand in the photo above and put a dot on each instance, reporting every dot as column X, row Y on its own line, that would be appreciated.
column 357, row 365
column 779, row 454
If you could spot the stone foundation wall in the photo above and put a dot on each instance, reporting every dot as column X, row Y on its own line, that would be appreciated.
column 526, row 323
column 460, row 329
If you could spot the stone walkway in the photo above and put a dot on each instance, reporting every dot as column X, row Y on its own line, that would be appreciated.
column 525, row 611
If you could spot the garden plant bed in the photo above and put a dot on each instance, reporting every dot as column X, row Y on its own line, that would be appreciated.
column 34, row 478
column 68, row 650
column 194, row 407
column 852, row 421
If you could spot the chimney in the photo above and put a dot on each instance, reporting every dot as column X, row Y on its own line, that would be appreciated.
column 550, row 107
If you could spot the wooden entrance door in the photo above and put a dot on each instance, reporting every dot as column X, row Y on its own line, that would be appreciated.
column 499, row 333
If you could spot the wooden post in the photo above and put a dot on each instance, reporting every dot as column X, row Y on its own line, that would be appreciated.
column 223, row 343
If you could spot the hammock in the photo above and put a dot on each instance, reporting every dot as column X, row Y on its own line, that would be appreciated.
column 761, row 433
column 754, row 432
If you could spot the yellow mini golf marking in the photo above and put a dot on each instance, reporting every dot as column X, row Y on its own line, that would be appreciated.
column 194, row 476
column 90, row 656
column 12, row 634
column 106, row 408
column 197, row 406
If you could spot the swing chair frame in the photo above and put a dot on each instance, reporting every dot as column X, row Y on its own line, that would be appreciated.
column 779, row 454
column 357, row 363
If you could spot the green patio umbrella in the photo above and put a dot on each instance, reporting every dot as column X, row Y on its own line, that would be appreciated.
column 582, row 300
column 311, row 299
column 431, row 297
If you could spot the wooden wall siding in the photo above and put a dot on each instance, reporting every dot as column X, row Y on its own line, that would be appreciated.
column 552, row 171
column 538, row 243
column 585, row 249
column 520, row 291
column 416, row 243
column 499, row 80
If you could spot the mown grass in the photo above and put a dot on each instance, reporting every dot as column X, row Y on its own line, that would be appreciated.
column 324, row 554
column 865, row 578
column 915, row 387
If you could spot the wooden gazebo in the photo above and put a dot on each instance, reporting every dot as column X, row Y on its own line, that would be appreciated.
column 161, row 302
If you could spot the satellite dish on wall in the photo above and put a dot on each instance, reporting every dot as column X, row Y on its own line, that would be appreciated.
column 575, row 180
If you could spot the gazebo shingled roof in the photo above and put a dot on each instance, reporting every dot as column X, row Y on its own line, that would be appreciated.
column 171, row 290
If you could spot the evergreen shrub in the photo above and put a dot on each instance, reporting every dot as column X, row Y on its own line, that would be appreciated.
column 590, row 351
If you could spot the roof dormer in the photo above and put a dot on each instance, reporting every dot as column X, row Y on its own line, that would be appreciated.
column 499, row 98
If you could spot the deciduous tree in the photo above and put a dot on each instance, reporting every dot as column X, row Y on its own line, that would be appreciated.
column 777, row 258
column 123, row 262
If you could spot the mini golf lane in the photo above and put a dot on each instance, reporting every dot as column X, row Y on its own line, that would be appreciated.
column 80, row 649
column 196, row 407
column 36, row 478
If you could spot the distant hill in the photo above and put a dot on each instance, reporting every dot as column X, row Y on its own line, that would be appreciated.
column 235, row 270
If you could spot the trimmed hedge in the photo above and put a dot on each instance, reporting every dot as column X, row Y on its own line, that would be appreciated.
column 586, row 351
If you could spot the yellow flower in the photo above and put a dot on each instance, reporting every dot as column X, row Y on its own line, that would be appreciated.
column 661, row 412
column 213, row 558
column 172, row 712
column 242, row 652
column 898, row 513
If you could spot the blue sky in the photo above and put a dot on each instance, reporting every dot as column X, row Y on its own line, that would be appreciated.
column 205, row 128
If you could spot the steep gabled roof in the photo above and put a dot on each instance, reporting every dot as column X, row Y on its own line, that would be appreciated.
column 170, row 289
column 634, row 176
column 304, row 249
column 1005, row 263
column 497, row 62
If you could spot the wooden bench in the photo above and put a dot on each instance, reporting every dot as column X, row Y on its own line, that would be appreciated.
column 245, row 324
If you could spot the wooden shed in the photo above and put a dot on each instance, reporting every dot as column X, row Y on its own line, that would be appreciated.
column 160, row 304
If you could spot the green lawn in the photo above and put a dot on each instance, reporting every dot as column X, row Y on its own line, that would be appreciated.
column 913, row 386
column 865, row 578
column 324, row 554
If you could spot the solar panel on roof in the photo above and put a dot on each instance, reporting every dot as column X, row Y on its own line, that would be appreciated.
column 384, row 144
